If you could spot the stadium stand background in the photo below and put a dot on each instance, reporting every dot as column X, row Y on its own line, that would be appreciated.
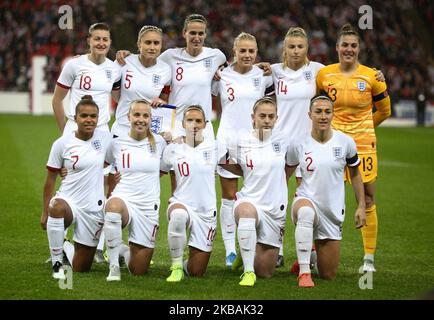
column 400, row 44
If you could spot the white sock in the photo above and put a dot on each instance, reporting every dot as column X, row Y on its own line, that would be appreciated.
column 177, row 235
column 55, row 231
column 304, row 237
column 101, row 242
column 113, row 235
column 369, row 256
column 185, row 267
column 125, row 252
column 68, row 247
column 281, row 248
column 247, row 240
column 227, row 224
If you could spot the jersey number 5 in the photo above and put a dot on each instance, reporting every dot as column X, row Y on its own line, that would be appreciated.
column 127, row 83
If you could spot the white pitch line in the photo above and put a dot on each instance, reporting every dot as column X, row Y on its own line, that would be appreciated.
column 390, row 163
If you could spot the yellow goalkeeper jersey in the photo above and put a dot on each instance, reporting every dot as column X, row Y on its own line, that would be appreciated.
column 354, row 97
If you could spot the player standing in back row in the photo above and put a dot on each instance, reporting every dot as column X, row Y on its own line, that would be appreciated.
column 89, row 74
column 354, row 91
column 240, row 86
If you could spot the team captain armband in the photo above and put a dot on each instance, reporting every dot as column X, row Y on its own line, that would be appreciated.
column 270, row 90
column 353, row 161
column 53, row 169
column 380, row 96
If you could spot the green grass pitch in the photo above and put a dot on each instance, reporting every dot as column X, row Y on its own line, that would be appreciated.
column 404, row 260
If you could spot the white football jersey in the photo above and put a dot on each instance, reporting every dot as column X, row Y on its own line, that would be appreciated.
column 293, row 90
column 139, row 82
column 192, row 78
column 84, row 160
column 195, row 173
column 84, row 77
column 322, row 168
column 238, row 94
column 263, row 165
column 139, row 167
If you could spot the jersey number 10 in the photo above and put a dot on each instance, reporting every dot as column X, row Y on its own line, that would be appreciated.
column 184, row 169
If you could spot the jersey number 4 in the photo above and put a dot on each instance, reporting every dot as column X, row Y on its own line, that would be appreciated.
column 249, row 163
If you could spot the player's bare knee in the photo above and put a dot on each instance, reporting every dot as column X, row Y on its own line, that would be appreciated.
column 245, row 210
column 138, row 270
column 80, row 267
column 369, row 198
column 114, row 205
column 327, row 274
column 264, row 273
column 196, row 273
column 57, row 208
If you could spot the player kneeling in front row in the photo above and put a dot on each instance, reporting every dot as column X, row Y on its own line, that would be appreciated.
column 318, row 208
column 193, row 204
column 80, row 198
column 260, row 208
column 135, row 200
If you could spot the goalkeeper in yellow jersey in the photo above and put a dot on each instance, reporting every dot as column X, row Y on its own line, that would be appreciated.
column 355, row 91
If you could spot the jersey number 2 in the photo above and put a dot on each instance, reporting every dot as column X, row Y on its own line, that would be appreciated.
column 309, row 160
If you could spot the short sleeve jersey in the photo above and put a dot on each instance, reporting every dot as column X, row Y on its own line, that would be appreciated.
column 84, row 77
column 322, row 168
column 139, row 166
column 353, row 99
column 238, row 94
column 195, row 173
column 293, row 90
column 192, row 77
column 263, row 166
column 84, row 160
column 139, row 82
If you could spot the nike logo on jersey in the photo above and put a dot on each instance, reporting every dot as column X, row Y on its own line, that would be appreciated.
column 178, row 63
column 280, row 78
column 129, row 71
column 306, row 153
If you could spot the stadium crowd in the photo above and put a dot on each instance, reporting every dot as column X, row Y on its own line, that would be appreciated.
column 394, row 45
